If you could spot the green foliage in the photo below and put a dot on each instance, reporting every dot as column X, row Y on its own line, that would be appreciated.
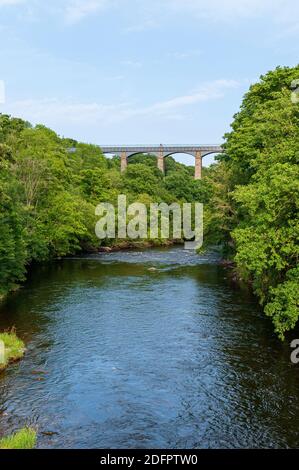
column 140, row 178
column 180, row 185
column 13, row 254
column 14, row 347
column 283, row 303
column 50, row 186
column 219, row 214
column 254, row 209
column 23, row 439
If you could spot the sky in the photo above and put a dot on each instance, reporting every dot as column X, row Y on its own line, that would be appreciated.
column 140, row 71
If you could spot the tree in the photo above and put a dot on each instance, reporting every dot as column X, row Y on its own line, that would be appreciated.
column 260, row 200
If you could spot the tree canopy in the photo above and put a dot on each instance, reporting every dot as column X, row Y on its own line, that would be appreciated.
column 254, row 205
column 48, row 194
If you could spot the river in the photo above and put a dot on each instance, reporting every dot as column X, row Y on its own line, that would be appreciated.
column 120, row 355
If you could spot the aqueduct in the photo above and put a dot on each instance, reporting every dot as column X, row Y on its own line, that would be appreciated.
column 161, row 151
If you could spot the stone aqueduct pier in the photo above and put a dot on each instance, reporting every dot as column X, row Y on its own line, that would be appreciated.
column 161, row 151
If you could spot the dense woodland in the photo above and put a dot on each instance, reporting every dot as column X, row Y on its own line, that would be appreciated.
column 251, row 195
column 48, row 194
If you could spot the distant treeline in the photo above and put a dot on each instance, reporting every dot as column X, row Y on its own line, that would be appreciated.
column 48, row 194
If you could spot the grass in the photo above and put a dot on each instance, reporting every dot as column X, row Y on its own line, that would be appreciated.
column 23, row 439
column 14, row 348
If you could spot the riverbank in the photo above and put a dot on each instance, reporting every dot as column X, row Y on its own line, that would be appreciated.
column 24, row 439
column 13, row 350
column 134, row 245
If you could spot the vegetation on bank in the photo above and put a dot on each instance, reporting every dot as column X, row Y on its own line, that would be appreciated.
column 48, row 194
column 14, row 348
column 254, row 206
column 251, row 196
column 23, row 439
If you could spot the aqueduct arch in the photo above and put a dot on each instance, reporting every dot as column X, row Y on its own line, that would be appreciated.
column 161, row 152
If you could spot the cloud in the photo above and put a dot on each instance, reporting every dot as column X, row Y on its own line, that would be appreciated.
column 281, row 11
column 76, row 10
column 218, row 9
column 186, row 54
column 114, row 77
column 222, row 10
column 131, row 63
column 54, row 112
column 157, row 13
column 140, row 27
column 210, row 91
column 4, row 3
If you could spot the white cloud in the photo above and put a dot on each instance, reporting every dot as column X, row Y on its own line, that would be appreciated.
column 211, row 91
column 140, row 27
column 156, row 13
column 10, row 2
column 186, row 54
column 114, row 78
column 49, row 110
column 282, row 11
column 54, row 112
column 222, row 10
column 76, row 10
column 131, row 63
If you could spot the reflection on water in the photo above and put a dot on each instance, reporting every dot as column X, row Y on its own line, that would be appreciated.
column 124, row 355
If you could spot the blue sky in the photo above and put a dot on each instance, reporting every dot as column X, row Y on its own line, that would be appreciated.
column 140, row 71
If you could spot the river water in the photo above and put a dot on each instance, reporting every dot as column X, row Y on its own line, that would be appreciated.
column 123, row 356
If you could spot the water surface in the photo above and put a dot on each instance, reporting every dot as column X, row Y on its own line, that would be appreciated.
column 120, row 355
